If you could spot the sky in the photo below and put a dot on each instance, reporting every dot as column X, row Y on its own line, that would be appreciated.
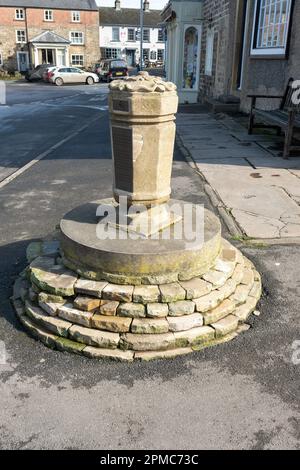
column 154, row 4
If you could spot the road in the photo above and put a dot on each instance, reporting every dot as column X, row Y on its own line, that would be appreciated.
column 244, row 394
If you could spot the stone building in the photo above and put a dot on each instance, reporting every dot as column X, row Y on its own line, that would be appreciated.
column 120, row 30
column 62, row 32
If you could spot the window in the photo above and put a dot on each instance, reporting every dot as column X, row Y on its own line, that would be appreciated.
column 76, row 16
column 76, row 37
column 112, row 53
column 160, row 35
column 146, row 54
column 153, row 55
column 146, row 35
column 1, row 59
column 209, row 52
column 116, row 34
column 160, row 55
column 21, row 36
column 77, row 59
column 271, row 27
column 190, row 58
column 48, row 15
column 131, row 34
column 19, row 14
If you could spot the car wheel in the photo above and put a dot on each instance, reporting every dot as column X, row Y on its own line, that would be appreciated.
column 59, row 81
column 90, row 81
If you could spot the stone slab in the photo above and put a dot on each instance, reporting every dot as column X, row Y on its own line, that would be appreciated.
column 118, row 293
column 181, row 308
column 146, row 294
column 225, row 326
column 87, row 287
column 73, row 315
column 169, row 354
column 131, row 310
column 149, row 326
column 151, row 342
column 171, row 292
column 111, row 323
column 113, row 354
column 55, row 325
column 91, row 337
column 87, row 304
column 220, row 312
column 194, row 337
column 157, row 310
column 185, row 323
column 196, row 288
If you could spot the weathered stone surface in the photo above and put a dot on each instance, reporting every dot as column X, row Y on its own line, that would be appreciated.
column 42, row 262
column 137, row 342
column 244, row 311
column 228, row 253
column 248, row 277
column 55, row 325
column 181, row 308
column 256, row 290
column 238, row 273
column 224, row 309
column 117, row 292
column 149, row 326
column 216, row 278
column 168, row 354
column 209, row 301
column 87, row 287
column 49, row 307
column 196, row 288
column 87, row 304
column 157, row 310
column 20, row 288
column 111, row 323
column 42, row 248
column 226, row 267
column 108, row 307
column 47, row 338
column 185, row 323
column 241, row 294
column 225, row 326
column 65, row 344
column 33, row 296
column 228, row 289
column 171, row 292
column 91, row 337
column 146, row 294
column 46, row 297
column 19, row 307
column 194, row 336
column 68, row 312
column 131, row 310
column 114, row 354
column 56, row 279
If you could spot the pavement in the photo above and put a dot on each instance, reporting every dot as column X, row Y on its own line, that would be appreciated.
column 239, row 395
column 265, row 202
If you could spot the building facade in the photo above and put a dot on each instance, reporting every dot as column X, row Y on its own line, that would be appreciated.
column 120, row 34
column 60, row 32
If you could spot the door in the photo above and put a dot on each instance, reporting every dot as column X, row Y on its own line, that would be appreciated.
column 23, row 63
column 60, row 57
column 130, row 56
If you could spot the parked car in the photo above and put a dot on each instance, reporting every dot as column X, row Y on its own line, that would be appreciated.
column 36, row 73
column 112, row 69
column 47, row 74
column 96, row 68
column 62, row 75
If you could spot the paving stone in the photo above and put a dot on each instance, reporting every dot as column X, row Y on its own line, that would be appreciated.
column 181, row 308
column 244, row 311
column 114, row 354
column 46, row 297
column 49, row 307
column 20, row 289
column 87, row 287
column 238, row 273
column 256, row 290
column 241, row 294
column 65, row 344
column 226, row 267
column 108, row 307
column 185, row 323
column 149, row 326
column 68, row 312
column 131, row 310
column 146, row 294
column 137, row 342
column 225, row 326
column 91, row 337
column 218, row 313
column 196, row 288
column 248, row 277
column 87, row 304
column 55, row 325
column 171, row 354
column 209, row 301
column 194, row 336
column 157, row 310
column 228, row 289
column 117, row 292
column 171, row 292
column 216, row 278
column 56, row 280
column 47, row 338
column 111, row 323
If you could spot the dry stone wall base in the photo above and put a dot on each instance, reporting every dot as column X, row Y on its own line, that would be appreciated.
column 121, row 322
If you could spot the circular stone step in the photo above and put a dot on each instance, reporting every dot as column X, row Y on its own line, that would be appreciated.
column 101, row 320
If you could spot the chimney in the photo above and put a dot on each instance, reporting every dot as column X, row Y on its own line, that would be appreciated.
column 146, row 6
column 118, row 4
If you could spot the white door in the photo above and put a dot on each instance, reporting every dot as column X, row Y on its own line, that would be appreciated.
column 60, row 57
column 23, row 62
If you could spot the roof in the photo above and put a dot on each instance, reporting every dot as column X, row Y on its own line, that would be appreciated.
column 55, row 4
column 109, row 16
column 49, row 37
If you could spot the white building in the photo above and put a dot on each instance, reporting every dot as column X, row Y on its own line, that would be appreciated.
column 120, row 34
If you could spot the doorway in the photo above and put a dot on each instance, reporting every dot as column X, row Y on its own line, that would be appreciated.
column 130, row 57
column 23, row 62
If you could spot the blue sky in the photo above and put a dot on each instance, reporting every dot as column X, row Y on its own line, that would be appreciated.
column 154, row 4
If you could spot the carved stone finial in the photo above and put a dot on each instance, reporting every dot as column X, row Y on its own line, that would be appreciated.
column 142, row 82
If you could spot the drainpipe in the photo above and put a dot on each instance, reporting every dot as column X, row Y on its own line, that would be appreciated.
column 27, row 39
column 141, row 33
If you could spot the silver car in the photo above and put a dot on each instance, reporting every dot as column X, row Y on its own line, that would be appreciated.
column 63, row 75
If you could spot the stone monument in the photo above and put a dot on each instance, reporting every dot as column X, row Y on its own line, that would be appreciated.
column 137, row 276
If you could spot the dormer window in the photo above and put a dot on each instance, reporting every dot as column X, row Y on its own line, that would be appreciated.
column 48, row 15
column 76, row 16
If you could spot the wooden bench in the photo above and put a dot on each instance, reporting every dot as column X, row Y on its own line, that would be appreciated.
column 286, row 118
